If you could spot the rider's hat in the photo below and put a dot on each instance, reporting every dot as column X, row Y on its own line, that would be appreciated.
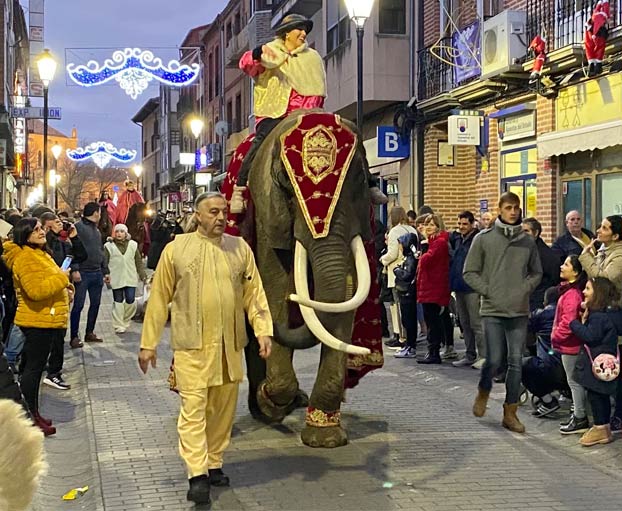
column 292, row 21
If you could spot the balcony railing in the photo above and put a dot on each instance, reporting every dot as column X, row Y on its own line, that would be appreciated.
column 435, row 74
column 562, row 22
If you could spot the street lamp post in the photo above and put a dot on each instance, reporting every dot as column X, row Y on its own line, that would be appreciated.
column 47, row 67
column 56, row 150
column 196, row 127
column 359, row 11
column 138, row 170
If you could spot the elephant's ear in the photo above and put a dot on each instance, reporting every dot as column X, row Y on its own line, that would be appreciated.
column 279, row 225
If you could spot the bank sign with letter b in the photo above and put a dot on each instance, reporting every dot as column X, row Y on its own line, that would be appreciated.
column 391, row 144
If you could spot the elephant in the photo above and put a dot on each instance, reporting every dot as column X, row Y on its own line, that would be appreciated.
column 287, row 250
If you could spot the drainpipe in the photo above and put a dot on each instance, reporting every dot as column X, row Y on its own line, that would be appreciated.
column 412, row 81
column 420, row 126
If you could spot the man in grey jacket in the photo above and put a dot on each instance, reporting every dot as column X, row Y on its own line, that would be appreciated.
column 503, row 266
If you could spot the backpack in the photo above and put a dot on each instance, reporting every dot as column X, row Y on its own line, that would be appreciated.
column 406, row 272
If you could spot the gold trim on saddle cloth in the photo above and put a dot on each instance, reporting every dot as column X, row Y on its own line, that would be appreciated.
column 317, row 152
column 319, row 419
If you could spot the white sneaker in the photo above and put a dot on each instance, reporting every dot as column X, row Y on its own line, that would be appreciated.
column 463, row 362
column 449, row 353
column 479, row 363
column 119, row 330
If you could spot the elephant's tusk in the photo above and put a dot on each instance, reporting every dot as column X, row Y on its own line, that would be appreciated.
column 309, row 315
column 362, row 275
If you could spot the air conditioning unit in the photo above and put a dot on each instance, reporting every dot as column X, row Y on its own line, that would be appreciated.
column 503, row 43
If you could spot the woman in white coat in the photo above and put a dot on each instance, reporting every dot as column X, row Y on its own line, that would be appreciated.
column 394, row 257
column 126, row 268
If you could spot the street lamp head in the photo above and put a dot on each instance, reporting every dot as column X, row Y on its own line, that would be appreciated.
column 56, row 150
column 359, row 11
column 46, row 66
column 196, row 126
column 138, row 170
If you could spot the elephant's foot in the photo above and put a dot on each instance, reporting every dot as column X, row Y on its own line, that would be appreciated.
column 323, row 429
column 272, row 412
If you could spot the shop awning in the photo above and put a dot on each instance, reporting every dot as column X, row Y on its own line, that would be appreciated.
column 586, row 138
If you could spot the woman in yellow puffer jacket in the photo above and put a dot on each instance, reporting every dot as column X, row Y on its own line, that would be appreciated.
column 42, row 290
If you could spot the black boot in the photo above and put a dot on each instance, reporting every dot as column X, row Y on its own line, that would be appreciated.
column 598, row 68
column 591, row 70
column 432, row 357
column 199, row 490
column 217, row 477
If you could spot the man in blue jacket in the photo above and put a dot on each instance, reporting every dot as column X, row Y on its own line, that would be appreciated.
column 575, row 239
column 467, row 300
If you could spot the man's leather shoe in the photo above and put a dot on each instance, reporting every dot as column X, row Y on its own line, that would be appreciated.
column 217, row 477
column 92, row 338
column 75, row 343
column 199, row 490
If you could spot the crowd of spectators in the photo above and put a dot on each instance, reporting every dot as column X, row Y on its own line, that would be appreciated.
column 533, row 316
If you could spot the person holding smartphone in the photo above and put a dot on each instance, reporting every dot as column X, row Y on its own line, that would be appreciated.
column 60, row 250
column 42, row 290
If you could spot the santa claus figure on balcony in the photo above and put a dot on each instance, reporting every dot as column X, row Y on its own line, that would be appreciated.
column 596, row 33
column 538, row 47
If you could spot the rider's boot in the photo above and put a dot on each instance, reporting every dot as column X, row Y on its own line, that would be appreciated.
column 237, row 203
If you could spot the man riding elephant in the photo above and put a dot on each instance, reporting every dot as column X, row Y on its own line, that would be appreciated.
column 288, row 76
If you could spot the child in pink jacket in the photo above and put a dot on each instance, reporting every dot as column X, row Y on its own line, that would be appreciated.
column 568, row 344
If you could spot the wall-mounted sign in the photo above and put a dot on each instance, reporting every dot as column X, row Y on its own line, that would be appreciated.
column 35, row 112
column 446, row 154
column 464, row 129
column 517, row 126
column 391, row 144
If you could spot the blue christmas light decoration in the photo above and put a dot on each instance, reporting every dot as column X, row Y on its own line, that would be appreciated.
column 101, row 153
column 133, row 69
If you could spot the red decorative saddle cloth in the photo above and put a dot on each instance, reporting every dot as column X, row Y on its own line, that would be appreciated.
column 316, row 154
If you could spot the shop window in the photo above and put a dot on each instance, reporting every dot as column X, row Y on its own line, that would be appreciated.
column 577, row 196
column 608, row 195
column 337, row 23
column 518, row 175
column 392, row 17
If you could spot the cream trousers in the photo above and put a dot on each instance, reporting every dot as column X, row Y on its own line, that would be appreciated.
column 204, row 426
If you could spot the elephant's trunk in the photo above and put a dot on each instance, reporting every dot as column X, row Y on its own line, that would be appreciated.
column 363, row 278
column 330, row 265
column 299, row 338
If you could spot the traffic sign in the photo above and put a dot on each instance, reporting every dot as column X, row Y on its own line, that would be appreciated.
column 391, row 144
column 35, row 112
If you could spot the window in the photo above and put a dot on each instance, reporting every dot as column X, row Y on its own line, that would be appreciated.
column 210, row 68
column 229, row 32
column 338, row 24
column 449, row 17
column 488, row 8
column 518, row 171
column 217, row 73
column 229, row 112
column 175, row 137
column 392, row 17
column 237, row 23
column 144, row 148
column 238, row 112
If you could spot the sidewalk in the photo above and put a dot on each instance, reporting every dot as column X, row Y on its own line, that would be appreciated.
column 414, row 445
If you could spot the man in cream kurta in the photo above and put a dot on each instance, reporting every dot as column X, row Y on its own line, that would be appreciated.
column 210, row 280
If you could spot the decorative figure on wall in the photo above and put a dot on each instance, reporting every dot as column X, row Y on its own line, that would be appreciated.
column 538, row 48
column 596, row 33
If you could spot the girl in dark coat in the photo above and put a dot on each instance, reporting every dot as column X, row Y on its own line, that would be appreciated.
column 599, row 331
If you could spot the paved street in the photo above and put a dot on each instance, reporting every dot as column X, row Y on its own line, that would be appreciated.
column 414, row 445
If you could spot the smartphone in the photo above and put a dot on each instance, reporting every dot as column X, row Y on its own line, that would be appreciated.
column 66, row 263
